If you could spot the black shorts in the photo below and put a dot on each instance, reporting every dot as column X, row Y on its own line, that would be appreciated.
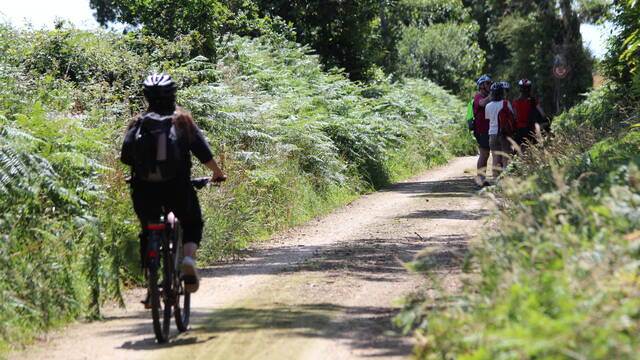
column 482, row 139
column 178, row 196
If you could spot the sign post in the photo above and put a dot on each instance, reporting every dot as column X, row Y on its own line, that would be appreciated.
column 560, row 71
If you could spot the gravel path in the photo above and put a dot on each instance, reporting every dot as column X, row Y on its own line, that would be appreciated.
column 323, row 290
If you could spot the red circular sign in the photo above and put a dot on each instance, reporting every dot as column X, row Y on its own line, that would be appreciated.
column 560, row 71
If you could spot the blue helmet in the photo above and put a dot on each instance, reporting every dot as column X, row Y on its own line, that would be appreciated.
column 483, row 79
column 497, row 86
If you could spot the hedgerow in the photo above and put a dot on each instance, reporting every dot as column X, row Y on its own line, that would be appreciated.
column 296, row 141
column 556, row 276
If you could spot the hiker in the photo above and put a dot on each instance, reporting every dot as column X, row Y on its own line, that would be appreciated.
column 481, row 127
column 501, row 119
column 529, row 112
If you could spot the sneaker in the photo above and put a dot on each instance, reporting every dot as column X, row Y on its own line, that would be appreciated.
column 190, row 275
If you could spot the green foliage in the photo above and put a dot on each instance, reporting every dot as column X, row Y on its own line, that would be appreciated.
column 525, row 39
column 344, row 33
column 621, row 63
column 428, row 12
column 210, row 19
column 593, row 11
column 48, row 183
column 563, row 257
column 426, row 52
column 297, row 141
column 359, row 36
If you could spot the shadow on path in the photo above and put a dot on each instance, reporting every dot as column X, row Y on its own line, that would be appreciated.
column 455, row 187
column 356, row 325
column 447, row 214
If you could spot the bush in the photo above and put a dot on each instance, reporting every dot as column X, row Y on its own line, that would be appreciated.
column 558, row 277
column 297, row 141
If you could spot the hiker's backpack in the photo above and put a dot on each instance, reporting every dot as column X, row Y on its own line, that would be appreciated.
column 151, row 147
column 471, row 116
column 506, row 120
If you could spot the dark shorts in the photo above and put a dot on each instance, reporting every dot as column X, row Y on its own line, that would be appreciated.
column 500, row 143
column 482, row 140
column 178, row 196
column 523, row 134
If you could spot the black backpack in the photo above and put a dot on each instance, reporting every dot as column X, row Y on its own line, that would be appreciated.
column 151, row 147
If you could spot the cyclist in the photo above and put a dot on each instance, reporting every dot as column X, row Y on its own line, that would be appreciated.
column 481, row 127
column 175, row 194
column 524, row 106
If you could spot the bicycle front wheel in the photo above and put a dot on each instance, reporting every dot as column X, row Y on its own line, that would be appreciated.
column 182, row 308
column 182, row 312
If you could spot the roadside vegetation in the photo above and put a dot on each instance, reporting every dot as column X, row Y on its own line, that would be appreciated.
column 310, row 104
column 555, row 276
column 297, row 141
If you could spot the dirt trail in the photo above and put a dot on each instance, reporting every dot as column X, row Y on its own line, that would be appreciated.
column 323, row 290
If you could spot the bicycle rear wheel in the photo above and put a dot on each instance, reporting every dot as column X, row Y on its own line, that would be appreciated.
column 160, row 302
column 182, row 308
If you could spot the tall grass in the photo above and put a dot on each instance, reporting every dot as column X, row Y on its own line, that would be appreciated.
column 297, row 141
column 556, row 277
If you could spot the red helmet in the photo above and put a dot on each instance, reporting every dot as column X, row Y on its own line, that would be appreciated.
column 524, row 82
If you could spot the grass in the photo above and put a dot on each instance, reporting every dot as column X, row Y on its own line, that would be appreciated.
column 557, row 276
column 298, row 141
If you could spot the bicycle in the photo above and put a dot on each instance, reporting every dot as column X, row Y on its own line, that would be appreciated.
column 164, row 256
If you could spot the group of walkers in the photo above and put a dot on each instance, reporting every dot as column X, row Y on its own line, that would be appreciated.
column 501, row 126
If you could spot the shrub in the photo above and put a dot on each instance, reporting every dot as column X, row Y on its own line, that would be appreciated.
column 297, row 141
column 558, row 277
column 427, row 52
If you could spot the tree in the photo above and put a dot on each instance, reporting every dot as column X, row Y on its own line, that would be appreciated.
column 171, row 18
column 399, row 15
column 622, row 64
column 428, row 51
column 527, row 38
column 345, row 33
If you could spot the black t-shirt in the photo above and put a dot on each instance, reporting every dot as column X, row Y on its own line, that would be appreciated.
column 198, row 147
column 192, row 143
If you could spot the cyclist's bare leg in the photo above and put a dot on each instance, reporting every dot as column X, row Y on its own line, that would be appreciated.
column 190, row 249
column 191, row 279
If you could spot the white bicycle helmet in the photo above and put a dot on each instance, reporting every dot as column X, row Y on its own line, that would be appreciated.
column 524, row 82
column 159, row 85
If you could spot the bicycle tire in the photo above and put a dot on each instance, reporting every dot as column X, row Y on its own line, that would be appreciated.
column 182, row 307
column 167, row 287
column 156, row 305
column 157, row 297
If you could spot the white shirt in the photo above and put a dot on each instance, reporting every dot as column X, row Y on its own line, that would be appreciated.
column 491, row 113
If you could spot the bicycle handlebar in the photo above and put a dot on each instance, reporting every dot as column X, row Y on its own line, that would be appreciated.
column 198, row 183
column 201, row 182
